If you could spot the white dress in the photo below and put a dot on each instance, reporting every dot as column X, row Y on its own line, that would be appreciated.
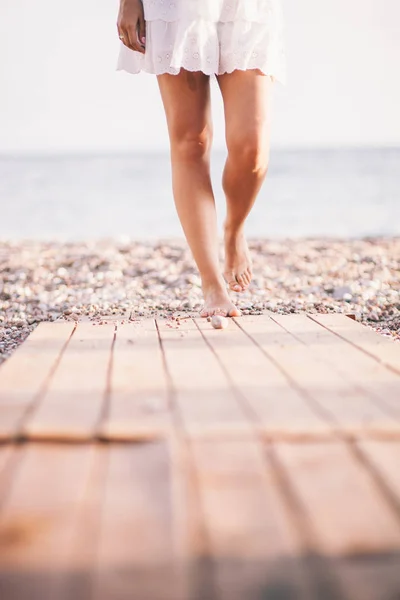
column 213, row 36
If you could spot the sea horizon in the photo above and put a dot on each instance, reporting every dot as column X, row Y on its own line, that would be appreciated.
column 337, row 192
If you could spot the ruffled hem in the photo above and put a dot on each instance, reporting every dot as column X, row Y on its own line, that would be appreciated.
column 207, row 46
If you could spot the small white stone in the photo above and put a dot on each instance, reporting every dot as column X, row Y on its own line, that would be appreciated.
column 219, row 322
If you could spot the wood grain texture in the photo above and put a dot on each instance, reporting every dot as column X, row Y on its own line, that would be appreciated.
column 348, row 407
column 206, row 402
column 81, row 555
column 138, row 556
column 187, row 500
column 38, row 520
column 352, row 522
column 385, row 457
column 384, row 349
column 279, row 410
column 138, row 398
column 72, row 406
column 254, row 548
column 5, row 454
column 380, row 385
column 23, row 376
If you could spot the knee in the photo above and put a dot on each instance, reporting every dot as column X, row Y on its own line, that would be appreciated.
column 251, row 150
column 191, row 145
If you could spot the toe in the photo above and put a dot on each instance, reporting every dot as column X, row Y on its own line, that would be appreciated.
column 204, row 312
column 234, row 312
column 241, row 280
column 246, row 278
column 231, row 281
column 234, row 285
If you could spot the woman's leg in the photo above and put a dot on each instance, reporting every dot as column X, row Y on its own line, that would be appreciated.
column 246, row 96
column 186, row 100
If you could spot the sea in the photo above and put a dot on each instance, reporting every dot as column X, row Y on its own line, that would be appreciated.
column 338, row 193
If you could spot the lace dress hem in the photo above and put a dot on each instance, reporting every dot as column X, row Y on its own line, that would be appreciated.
column 244, row 36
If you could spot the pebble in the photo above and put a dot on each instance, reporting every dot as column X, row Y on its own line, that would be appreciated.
column 219, row 322
column 339, row 293
column 96, row 280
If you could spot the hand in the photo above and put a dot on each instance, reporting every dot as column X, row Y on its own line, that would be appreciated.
column 131, row 24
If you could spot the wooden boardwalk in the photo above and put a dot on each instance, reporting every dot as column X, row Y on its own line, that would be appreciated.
column 154, row 461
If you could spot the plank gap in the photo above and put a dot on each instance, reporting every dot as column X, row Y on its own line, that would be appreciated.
column 315, row 406
column 375, row 394
column 338, row 397
column 105, row 408
column 395, row 368
column 383, row 486
column 207, row 405
column 326, row 585
column 247, row 409
column 74, row 398
column 42, row 392
column 177, row 416
column 27, row 374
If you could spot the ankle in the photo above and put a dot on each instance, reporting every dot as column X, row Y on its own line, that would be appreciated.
column 233, row 228
column 213, row 285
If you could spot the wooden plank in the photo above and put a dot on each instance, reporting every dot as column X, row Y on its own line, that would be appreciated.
column 255, row 550
column 384, row 349
column 280, row 410
column 72, row 405
column 24, row 375
column 190, row 535
column 352, row 523
column 8, row 463
column 77, row 578
column 37, row 521
column 385, row 457
column 138, row 400
column 205, row 400
column 349, row 408
column 380, row 384
column 5, row 453
column 137, row 556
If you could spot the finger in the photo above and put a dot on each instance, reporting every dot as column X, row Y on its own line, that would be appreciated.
column 142, row 30
column 133, row 40
column 127, row 39
column 123, row 36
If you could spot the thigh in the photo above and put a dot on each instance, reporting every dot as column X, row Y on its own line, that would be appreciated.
column 247, row 107
column 186, row 100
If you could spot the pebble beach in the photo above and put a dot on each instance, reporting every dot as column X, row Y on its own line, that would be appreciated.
column 125, row 279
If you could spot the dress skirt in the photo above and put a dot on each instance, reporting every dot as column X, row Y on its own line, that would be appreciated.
column 213, row 36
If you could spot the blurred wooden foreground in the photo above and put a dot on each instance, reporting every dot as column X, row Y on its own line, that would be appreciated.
column 154, row 460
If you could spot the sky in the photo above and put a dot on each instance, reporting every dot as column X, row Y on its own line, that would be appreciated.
column 60, row 91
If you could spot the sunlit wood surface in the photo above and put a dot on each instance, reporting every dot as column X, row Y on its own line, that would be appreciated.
column 153, row 460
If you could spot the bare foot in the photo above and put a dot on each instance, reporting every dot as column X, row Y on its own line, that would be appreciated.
column 238, row 266
column 217, row 302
